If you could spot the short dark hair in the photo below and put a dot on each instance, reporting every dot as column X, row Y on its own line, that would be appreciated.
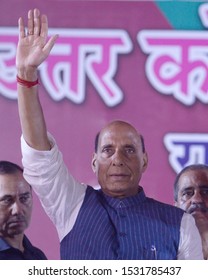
column 185, row 169
column 97, row 139
column 8, row 167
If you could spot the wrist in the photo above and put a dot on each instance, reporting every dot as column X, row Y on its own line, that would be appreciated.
column 28, row 74
column 26, row 83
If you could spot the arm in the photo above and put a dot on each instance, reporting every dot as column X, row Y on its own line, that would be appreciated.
column 60, row 194
column 190, row 247
column 33, row 48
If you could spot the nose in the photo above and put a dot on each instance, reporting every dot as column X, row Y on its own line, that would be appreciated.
column 118, row 159
column 16, row 208
column 196, row 198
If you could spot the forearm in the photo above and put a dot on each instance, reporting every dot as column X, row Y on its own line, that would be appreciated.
column 32, row 118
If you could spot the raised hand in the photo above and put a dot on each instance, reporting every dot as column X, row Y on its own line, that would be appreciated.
column 33, row 46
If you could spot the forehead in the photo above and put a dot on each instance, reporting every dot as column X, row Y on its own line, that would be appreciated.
column 119, row 133
column 193, row 178
column 11, row 184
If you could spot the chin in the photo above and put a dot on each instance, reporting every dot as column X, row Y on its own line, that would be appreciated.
column 16, row 231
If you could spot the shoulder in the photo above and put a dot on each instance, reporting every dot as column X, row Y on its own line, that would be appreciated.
column 165, row 208
column 36, row 252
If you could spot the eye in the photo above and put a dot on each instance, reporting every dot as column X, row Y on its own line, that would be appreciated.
column 24, row 199
column 130, row 150
column 187, row 194
column 204, row 192
column 108, row 151
column 7, row 200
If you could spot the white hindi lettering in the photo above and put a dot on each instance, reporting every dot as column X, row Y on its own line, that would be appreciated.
column 177, row 63
column 8, row 42
column 77, row 54
column 88, row 53
column 186, row 148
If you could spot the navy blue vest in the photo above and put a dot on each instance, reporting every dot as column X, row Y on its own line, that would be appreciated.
column 135, row 227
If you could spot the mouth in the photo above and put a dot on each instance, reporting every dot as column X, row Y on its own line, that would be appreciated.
column 16, row 223
column 198, row 213
column 119, row 175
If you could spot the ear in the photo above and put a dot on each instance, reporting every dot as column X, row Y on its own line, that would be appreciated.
column 145, row 161
column 94, row 162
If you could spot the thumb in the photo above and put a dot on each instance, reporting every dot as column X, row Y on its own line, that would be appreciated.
column 49, row 45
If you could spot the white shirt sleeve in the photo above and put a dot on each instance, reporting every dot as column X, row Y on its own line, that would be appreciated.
column 190, row 246
column 60, row 194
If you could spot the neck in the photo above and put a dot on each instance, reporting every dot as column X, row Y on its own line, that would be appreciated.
column 16, row 241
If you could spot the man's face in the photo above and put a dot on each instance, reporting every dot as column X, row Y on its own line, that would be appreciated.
column 15, row 204
column 193, row 195
column 119, row 161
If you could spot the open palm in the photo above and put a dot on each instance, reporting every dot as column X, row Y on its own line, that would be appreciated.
column 33, row 47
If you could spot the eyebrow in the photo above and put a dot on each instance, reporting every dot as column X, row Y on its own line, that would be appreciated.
column 203, row 186
column 129, row 146
column 10, row 195
column 5, row 196
column 125, row 145
column 25, row 193
column 191, row 187
column 107, row 146
column 186, row 188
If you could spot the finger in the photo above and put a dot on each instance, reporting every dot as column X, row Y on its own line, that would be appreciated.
column 36, row 22
column 30, row 23
column 44, row 27
column 49, row 45
column 21, row 28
